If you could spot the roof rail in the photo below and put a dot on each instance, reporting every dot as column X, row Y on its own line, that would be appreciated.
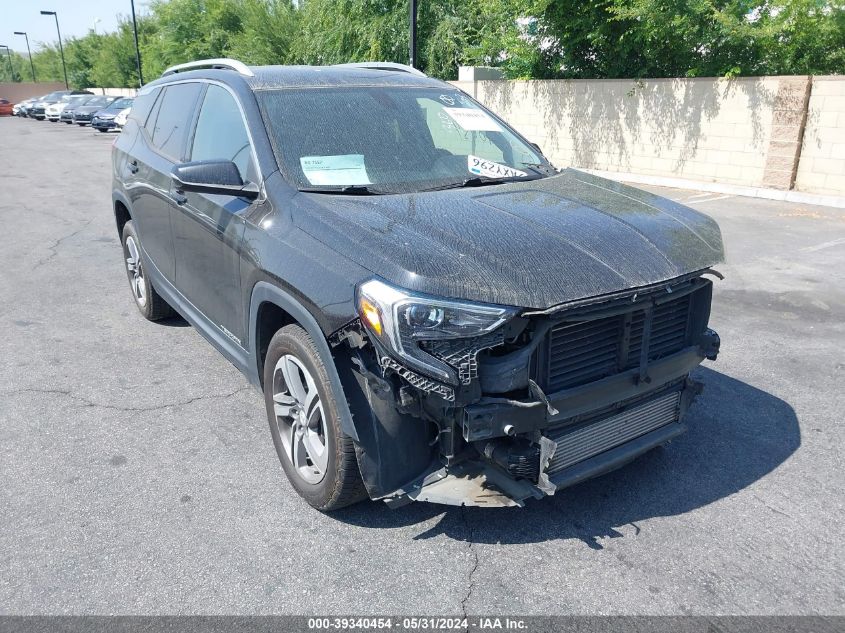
column 402, row 68
column 228, row 64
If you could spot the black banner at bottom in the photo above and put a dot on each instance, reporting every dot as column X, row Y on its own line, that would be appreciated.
column 474, row 624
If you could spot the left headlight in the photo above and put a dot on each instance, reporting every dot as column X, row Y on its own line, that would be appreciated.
column 400, row 320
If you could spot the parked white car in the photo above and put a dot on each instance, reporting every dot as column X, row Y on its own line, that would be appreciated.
column 120, row 119
column 53, row 111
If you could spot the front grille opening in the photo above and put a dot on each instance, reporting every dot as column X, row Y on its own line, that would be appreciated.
column 578, row 353
column 582, row 352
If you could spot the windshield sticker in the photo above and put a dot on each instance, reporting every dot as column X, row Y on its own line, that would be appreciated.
column 446, row 122
column 490, row 169
column 345, row 169
column 473, row 120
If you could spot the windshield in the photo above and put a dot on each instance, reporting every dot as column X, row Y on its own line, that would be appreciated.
column 99, row 101
column 120, row 104
column 53, row 96
column 392, row 139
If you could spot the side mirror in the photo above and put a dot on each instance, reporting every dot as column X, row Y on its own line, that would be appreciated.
column 212, row 176
column 537, row 147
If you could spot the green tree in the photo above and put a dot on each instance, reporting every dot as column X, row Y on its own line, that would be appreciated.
column 191, row 29
column 451, row 33
column 525, row 38
column 338, row 31
column 81, row 54
column 269, row 28
column 13, row 67
column 676, row 38
column 115, row 64
column 803, row 37
column 48, row 63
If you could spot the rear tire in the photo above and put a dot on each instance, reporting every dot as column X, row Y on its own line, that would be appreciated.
column 317, row 457
column 147, row 299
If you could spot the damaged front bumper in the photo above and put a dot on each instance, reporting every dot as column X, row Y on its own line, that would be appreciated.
column 563, row 450
column 538, row 415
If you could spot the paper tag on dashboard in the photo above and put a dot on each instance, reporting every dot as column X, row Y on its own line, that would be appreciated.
column 344, row 169
column 473, row 119
column 490, row 169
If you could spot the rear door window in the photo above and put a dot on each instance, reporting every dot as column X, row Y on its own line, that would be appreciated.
column 149, row 121
column 142, row 105
column 176, row 109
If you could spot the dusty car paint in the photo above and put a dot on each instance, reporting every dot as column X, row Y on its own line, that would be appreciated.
column 569, row 251
column 534, row 244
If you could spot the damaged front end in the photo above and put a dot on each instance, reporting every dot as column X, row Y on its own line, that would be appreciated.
column 471, row 404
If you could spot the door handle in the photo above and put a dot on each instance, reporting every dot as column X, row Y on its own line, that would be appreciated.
column 133, row 166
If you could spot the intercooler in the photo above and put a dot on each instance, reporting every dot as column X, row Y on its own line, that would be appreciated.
column 575, row 443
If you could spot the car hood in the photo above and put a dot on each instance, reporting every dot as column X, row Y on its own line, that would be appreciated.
column 87, row 109
column 530, row 244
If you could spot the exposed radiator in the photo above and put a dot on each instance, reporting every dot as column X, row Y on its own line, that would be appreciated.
column 575, row 444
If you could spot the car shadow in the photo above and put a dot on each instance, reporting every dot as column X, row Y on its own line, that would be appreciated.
column 737, row 434
column 177, row 320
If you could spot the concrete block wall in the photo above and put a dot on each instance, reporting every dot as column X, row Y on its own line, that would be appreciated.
column 20, row 91
column 114, row 92
column 746, row 131
column 789, row 115
column 821, row 168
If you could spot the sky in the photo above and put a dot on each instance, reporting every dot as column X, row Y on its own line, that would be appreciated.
column 76, row 18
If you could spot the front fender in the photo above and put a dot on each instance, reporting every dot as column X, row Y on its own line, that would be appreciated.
column 266, row 292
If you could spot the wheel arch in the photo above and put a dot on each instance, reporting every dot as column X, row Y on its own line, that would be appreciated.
column 270, row 309
column 122, row 215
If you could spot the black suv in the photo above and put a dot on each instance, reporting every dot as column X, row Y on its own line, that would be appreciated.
column 431, row 310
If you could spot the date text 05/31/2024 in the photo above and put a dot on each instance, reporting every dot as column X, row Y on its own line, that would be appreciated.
column 416, row 623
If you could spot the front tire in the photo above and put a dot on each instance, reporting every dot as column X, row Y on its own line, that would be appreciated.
column 317, row 457
column 147, row 299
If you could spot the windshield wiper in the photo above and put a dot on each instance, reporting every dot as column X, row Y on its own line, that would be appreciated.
column 540, row 168
column 480, row 181
column 352, row 190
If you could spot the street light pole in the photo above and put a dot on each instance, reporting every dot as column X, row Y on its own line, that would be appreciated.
column 413, row 39
column 11, row 67
column 28, row 52
column 137, row 50
column 61, row 48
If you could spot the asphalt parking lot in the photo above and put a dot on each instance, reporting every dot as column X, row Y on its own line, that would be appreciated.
column 138, row 474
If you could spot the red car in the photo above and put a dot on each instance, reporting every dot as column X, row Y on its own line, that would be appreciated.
column 6, row 107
